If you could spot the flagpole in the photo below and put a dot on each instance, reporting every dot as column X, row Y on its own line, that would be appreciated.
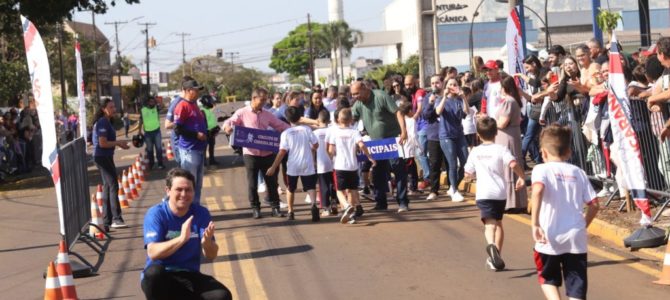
column 63, row 95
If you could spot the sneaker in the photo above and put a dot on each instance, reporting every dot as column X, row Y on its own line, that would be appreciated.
column 489, row 265
column 359, row 211
column 346, row 214
column 457, row 197
column 431, row 197
column 366, row 191
column 291, row 216
column 119, row 224
column 326, row 213
column 283, row 204
column 403, row 209
column 280, row 190
column 494, row 256
column 262, row 188
column 352, row 221
column 256, row 213
column 450, row 192
column 276, row 212
column 308, row 199
column 603, row 193
column 315, row 214
column 333, row 210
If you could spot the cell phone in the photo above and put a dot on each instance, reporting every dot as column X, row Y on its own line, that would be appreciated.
column 553, row 79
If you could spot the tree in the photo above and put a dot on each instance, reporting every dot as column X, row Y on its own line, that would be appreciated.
column 291, row 54
column 44, row 14
column 410, row 66
column 340, row 39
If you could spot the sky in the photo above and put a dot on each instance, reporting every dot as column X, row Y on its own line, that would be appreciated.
column 249, row 27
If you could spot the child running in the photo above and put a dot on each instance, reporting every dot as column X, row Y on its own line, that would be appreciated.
column 488, row 162
column 560, row 191
column 342, row 142
column 324, row 166
column 301, row 141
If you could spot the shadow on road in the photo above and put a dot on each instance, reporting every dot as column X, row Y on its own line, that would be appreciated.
column 264, row 253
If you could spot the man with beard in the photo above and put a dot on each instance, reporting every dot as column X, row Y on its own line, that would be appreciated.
column 150, row 122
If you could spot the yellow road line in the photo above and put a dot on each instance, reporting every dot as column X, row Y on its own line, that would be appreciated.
column 206, row 182
column 252, row 281
column 228, row 203
column 218, row 181
column 212, row 205
column 602, row 253
column 223, row 270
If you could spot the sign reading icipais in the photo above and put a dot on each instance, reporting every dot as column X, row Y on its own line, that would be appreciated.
column 454, row 11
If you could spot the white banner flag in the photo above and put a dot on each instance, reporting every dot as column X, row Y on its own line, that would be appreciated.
column 80, row 91
column 40, row 78
column 624, row 133
column 515, row 53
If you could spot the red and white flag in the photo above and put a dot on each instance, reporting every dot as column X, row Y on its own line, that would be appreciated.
column 622, row 129
column 40, row 78
column 80, row 91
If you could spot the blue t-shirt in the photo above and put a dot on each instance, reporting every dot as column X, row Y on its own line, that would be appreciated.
column 189, row 115
column 432, row 127
column 161, row 225
column 451, row 119
column 170, row 117
column 103, row 128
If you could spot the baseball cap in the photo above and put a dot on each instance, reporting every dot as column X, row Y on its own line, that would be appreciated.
column 490, row 64
column 191, row 84
column 650, row 51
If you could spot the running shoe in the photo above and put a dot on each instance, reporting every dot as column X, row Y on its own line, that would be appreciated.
column 457, row 197
column 431, row 197
column 346, row 214
column 494, row 255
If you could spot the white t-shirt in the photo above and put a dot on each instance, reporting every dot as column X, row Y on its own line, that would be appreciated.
column 298, row 141
column 411, row 147
column 489, row 162
column 494, row 97
column 323, row 162
column 566, row 191
column 470, row 122
column 345, row 140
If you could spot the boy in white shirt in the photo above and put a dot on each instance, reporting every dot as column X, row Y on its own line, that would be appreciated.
column 560, row 192
column 301, row 142
column 324, row 167
column 488, row 162
column 342, row 143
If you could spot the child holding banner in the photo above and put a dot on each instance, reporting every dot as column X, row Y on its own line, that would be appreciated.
column 342, row 142
column 301, row 141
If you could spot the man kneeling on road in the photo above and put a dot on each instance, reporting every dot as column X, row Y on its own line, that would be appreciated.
column 176, row 231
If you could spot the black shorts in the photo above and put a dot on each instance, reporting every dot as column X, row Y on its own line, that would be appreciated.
column 346, row 180
column 366, row 165
column 308, row 182
column 471, row 139
column 553, row 269
column 491, row 209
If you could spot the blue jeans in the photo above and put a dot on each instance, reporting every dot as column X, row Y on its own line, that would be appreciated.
column 152, row 139
column 380, row 175
column 175, row 142
column 193, row 161
column 456, row 148
column 423, row 158
column 530, row 141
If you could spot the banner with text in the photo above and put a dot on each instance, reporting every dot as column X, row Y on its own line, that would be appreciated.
column 383, row 149
column 266, row 140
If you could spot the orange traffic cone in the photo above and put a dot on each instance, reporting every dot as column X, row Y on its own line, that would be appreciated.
column 52, row 287
column 98, row 197
column 96, row 219
column 170, row 155
column 133, row 188
column 65, row 273
column 138, row 166
column 136, row 176
column 122, row 196
column 665, row 274
column 145, row 163
column 164, row 152
column 126, row 187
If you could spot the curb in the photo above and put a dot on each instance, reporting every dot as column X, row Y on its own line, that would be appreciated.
column 599, row 228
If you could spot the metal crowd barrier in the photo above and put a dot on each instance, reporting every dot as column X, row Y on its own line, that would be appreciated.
column 590, row 158
column 76, row 205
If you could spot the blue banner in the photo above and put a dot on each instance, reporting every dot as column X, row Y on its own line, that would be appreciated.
column 382, row 149
column 266, row 140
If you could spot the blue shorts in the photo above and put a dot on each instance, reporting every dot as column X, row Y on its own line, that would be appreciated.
column 491, row 209
column 553, row 269
column 308, row 182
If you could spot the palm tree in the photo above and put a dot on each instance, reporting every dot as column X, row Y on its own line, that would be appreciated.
column 340, row 39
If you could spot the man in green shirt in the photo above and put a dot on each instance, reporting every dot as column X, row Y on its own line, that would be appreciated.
column 150, row 123
column 381, row 119
column 206, row 104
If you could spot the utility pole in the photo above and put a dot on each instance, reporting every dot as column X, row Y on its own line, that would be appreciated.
column 311, row 51
column 146, row 34
column 232, row 59
column 95, row 56
column 60, row 59
column 118, row 56
column 183, row 53
column 595, row 9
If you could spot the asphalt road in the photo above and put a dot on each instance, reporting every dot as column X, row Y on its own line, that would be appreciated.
column 434, row 251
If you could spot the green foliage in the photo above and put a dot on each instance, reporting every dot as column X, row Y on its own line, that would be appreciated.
column 291, row 54
column 410, row 66
column 607, row 21
column 338, row 35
